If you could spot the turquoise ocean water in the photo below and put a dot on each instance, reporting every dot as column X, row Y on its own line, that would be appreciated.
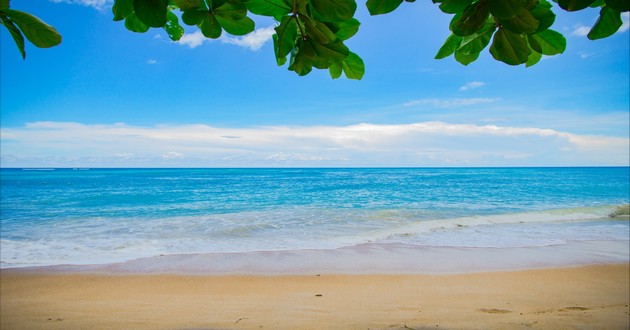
column 97, row 216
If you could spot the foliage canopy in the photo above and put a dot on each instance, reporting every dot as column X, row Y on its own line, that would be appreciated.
column 312, row 33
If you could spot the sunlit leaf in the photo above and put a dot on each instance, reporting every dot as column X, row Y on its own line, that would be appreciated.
column 465, row 59
column 239, row 27
column 548, row 42
column 344, row 30
column 449, row 47
column 35, row 30
column 533, row 58
column 335, row 70
column 172, row 27
column 353, row 66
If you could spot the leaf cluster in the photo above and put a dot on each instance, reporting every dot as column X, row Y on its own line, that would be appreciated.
column 21, row 24
column 518, row 31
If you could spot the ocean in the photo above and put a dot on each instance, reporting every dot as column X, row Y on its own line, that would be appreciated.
column 103, row 216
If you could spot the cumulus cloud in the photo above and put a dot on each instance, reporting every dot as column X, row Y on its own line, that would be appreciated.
column 472, row 85
column 253, row 41
column 98, row 4
column 416, row 144
column 450, row 103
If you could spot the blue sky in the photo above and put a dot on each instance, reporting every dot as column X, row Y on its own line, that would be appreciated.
column 109, row 97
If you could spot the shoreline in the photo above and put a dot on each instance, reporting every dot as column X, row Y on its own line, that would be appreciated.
column 593, row 296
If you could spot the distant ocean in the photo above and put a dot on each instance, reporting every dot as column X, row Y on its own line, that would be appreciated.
column 99, row 216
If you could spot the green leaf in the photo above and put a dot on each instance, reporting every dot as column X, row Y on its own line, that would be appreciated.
column 231, row 11
column 194, row 16
column 344, row 30
column 301, row 58
column 122, row 9
column 620, row 5
column 132, row 23
column 449, row 47
column 317, row 30
column 542, row 12
column 239, row 27
column 470, row 21
column 335, row 70
column 284, row 39
column 272, row 8
column 35, row 30
column 574, row 5
column 523, row 23
column 465, row 59
column 505, row 9
column 327, row 54
column 4, row 4
column 334, row 10
column 598, row 3
column 607, row 24
column 475, row 43
column 18, row 38
column 454, row 6
column 353, row 66
column 210, row 27
column 509, row 47
column 151, row 12
column 172, row 27
column 379, row 7
column 548, row 42
column 185, row 5
column 533, row 58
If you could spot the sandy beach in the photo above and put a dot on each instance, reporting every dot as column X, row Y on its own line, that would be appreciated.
column 593, row 297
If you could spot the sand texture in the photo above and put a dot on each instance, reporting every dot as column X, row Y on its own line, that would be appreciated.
column 588, row 297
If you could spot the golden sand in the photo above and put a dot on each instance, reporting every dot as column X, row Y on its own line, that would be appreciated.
column 593, row 297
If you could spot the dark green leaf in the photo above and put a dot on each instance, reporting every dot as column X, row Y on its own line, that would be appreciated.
column 607, row 24
column 523, row 23
column 4, row 4
column 533, row 58
column 334, row 10
column 151, row 12
column 378, row 7
column 505, row 9
column 272, row 8
column 317, row 30
column 509, row 47
column 548, row 42
column 470, row 21
column 35, row 30
column 172, row 27
column 210, row 27
column 185, row 5
column 353, row 66
column 620, row 5
column 598, row 3
column 454, row 6
column 542, row 12
column 449, row 47
column 302, row 58
column 239, row 27
column 231, row 11
column 344, row 30
column 15, row 33
column 465, row 59
column 574, row 5
column 132, row 23
column 325, row 55
column 194, row 16
column 122, row 9
column 286, row 34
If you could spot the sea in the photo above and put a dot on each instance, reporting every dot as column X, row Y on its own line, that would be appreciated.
column 98, row 216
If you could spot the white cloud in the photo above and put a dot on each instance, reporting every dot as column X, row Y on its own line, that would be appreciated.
column 253, row 41
column 472, row 85
column 416, row 144
column 450, row 103
column 193, row 40
column 580, row 30
column 98, row 4
column 625, row 18
column 152, row 61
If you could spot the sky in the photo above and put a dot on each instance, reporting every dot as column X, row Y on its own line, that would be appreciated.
column 108, row 97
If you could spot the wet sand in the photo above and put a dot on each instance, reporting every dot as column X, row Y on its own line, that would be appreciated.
column 594, row 297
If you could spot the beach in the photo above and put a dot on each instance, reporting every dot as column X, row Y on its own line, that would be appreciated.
column 592, row 296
